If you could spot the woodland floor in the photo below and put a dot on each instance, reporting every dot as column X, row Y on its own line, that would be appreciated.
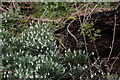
column 108, row 45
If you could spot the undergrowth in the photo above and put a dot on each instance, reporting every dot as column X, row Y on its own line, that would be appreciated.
column 29, row 49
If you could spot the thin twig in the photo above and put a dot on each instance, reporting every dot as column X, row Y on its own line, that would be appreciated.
column 113, row 39
column 3, row 9
column 95, row 46
column 70, row 32
column 114, row 61
column 92, row 11
column 82, row 31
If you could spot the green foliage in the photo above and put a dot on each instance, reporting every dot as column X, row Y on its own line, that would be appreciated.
column 71, row 18
column 76, row 62
column 53, row 9
column 75, row 58
column 13, row 21
column 90, row 32
column 33, row 52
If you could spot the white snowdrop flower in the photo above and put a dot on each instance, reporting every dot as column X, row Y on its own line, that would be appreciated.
column 4, row 13
column 65, row 54
column 16, row 63
column 37, row 47
column 34, row 32
column 31, row 27
column 8, row 15
column 69, row 50
column 74, row 52
column 42, row 61
column 41, row 34
column 31, row 71
column 7, row 61
column 30, row 24
column 36, row 38
column 27, row 55
column 23, row 34
column 7, row 76
column 108, row 73
column 39, row 55
column 32, row 44
column 41, row 77
column 99, row 71
column 36, row 76
column 24, row 46
column 48, row 33
column 39, row 40
column 95, row 73
column 19, row 58
column 46, row 52
column 38, row 21
column 30, row 55
column 45, row 27
column 5, row 20
column 27, row 70
column 20, row 75
column 83, row 68
column 46, row 37
column 48, row 73
column 102, row 73
column 42, row 46
column 15, row 74
column 50, row 41
column 5, row 72
column 44, row 24
column 32, row 63
column 37, row 68
column 32, row 21
column 14, row 58
column 7, row 55
column 3, row 56
column 47, row 48
column 83, row 52
column 80, row 77
column 47, row 58
column 86, row 66
column 33, row 40
column 50, row 59
column 9, row 72
column 22, row 52
column 26, row 75
column 16, row 71
column 92, row 75
column 44, row 76
column 28, row 34
column 42, row 38
column 42, row 29
column 29, row 61
column 41, row 50
column 27, row 38
column 10, row 55
column 78, row 64
column 69, row 64
column 10, row 39
column 92, row 53
column 36, row 35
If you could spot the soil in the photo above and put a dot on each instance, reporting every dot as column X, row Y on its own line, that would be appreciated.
column 105, row 21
